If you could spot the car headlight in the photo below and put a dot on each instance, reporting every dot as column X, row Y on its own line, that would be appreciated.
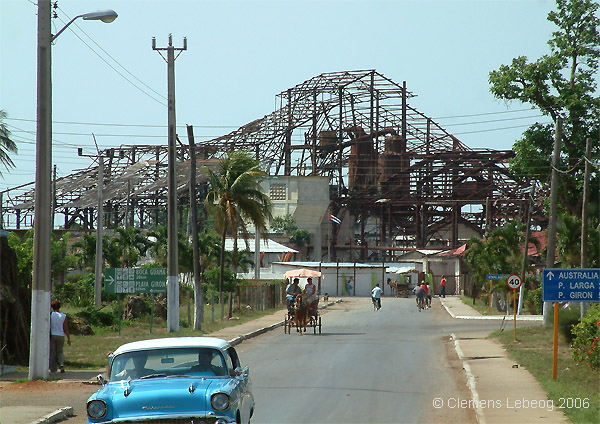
column 96, row 409
column 219, row 401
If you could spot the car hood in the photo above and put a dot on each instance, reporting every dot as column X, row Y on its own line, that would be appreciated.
column 160, row 396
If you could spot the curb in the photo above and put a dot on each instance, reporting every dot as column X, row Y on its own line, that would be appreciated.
column 58, row 415
column 470, row 380
column 491, row 317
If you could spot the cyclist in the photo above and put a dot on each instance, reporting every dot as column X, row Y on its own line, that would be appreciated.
column 420, row 292
column 376, row 296
column 425, row 294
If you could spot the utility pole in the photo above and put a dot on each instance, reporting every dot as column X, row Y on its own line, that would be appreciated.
column 198, row 292
column 551, row 246
column 39, row 352
column 584, row 214
column 172, row 264
column 99, row 236
column 527, row 233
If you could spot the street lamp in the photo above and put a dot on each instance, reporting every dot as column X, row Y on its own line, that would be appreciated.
column 106, row 16
column 40, row 290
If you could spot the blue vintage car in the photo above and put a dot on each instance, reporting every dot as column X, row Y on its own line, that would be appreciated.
column 174, row 380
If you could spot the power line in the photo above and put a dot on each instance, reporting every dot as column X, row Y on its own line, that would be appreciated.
column 112, row 67
column 482, row 114
column 123, row 125
column 116, row 61
column 492, row 120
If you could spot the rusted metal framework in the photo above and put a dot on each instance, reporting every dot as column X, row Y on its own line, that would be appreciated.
column 385, row 160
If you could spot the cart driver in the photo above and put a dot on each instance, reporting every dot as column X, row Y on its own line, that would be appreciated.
column 291, row 291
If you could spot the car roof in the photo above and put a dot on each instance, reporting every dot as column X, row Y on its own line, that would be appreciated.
column 173, row 342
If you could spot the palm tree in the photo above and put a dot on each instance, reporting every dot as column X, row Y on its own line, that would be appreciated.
column 236, row 196
column 6, row 144
column 160, row 247
column 85, row 251
column 132, row 245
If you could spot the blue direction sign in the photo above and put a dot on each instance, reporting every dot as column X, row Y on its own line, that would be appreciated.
column 496, row 276
column 571, row 285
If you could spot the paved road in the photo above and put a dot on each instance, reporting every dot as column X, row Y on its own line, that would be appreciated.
column 366, row 366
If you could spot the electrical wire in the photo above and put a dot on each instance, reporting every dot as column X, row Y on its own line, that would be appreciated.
column 112, row 67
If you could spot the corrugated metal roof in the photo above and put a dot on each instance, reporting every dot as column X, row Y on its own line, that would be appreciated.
column 267, row 246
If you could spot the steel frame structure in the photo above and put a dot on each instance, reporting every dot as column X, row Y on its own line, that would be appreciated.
column 384, row 160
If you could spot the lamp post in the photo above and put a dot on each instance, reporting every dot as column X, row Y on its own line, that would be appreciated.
column 40, row 290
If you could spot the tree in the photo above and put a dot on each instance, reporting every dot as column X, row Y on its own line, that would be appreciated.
column 568, row 243
column 236, row 197
column 287, row 225
column 132, row 244
column 499, row 253
column 84, row 251
column 159, row 250
column 6, row 144
column 562, row 83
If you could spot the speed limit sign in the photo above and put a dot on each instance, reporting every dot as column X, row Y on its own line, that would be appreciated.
column 514, row 281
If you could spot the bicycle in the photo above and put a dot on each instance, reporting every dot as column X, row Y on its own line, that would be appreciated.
column 376, row 303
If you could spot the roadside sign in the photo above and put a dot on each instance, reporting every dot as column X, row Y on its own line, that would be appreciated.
column 135, row 280
column 571, row 285
column 514, row 281
column 496, row 276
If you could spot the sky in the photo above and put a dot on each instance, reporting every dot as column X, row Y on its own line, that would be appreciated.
column 108, row 81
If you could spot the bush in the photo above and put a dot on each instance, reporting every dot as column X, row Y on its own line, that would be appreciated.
column 534, row 302
column 568, row 318
column 78, row 290
column 97, row 318
column 586, row 346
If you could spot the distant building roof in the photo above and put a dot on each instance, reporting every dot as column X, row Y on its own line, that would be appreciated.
column 267, row 246
column 454, row 252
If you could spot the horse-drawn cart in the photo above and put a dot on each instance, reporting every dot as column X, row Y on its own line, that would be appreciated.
column 295, row 319
column 300, row 314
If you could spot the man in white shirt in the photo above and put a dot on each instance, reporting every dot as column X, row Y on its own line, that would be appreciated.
column 376, row 296
column 59, row 328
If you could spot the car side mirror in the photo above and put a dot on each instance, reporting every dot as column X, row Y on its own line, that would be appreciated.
column 101, row 379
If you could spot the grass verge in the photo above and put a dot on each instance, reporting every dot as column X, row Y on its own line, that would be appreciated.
column 90, row 352
column 575, row 382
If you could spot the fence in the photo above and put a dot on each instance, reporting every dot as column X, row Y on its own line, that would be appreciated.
column 260, row 296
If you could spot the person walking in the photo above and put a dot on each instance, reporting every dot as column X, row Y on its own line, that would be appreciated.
column 59, row 328
column 376, row 296
column 443, row 286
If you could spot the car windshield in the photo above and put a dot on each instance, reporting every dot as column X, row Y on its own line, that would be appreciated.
column 168, row 362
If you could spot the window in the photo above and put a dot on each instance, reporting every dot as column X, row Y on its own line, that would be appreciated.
column 277, row 192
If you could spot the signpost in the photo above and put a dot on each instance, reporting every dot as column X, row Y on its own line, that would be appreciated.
column 135, row 280
column 569, row 285
column 490, row 278
column 514, row 281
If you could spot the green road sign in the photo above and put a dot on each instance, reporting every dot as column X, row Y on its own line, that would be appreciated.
column 135, row 280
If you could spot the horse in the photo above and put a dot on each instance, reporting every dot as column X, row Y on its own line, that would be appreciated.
column 394, row 286
column 300, row 315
